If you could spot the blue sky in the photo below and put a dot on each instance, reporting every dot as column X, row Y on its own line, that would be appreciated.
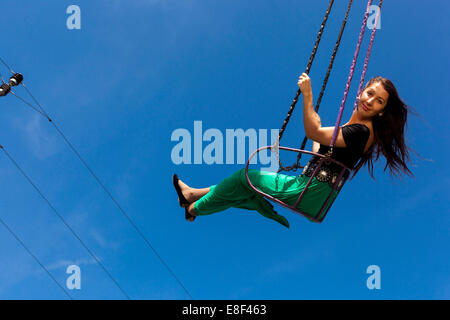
column 140, row 69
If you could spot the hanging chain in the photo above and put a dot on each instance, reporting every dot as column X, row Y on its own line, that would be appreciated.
column 319, row 100
column 308, row 68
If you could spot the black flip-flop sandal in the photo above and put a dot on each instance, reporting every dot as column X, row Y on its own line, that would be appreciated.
column 183, row 201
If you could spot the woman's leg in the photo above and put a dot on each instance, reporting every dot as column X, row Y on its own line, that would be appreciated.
column 234, row 191
column 192, row 194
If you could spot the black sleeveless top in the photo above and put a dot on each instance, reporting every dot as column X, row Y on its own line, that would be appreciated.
column 355, row 136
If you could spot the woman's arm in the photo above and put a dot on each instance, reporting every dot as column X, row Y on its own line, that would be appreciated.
column 311, row 120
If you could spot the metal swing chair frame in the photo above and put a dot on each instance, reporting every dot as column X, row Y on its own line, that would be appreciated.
column 336, row 187
column 342, row 177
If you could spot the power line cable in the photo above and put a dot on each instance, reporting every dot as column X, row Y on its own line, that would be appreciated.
column 34, row 257
column 63, row 220
column 102, row 185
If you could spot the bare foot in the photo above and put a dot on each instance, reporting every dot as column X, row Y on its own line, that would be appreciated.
column 186, row 191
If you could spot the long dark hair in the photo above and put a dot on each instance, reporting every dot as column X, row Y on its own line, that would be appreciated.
column 388, row 131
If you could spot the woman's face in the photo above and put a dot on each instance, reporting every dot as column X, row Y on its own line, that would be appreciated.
column 373, row 100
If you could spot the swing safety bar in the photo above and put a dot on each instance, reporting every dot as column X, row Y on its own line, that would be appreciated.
column 337, row 185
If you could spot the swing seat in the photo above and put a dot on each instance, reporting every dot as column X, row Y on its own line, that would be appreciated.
column 336, row 185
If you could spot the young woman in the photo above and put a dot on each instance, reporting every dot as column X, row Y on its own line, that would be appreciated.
column 376, row 127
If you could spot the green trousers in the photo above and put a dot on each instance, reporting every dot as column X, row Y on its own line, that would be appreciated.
column 235, row 192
